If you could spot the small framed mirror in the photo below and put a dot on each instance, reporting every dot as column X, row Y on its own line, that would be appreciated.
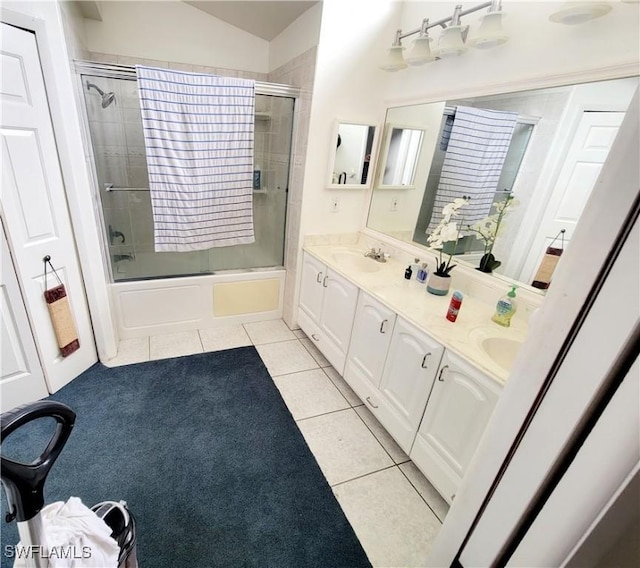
column 351, row 163
column 400, row 155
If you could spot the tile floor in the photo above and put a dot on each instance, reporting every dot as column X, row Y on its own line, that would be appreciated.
column 394, row 510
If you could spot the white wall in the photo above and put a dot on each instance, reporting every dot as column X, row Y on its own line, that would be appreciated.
column 537, row 48
column 174, row 31
column 347, row 87
column 300, row 36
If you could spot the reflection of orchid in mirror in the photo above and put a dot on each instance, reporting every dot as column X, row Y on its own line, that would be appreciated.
column 446, row 231
column 489, row 228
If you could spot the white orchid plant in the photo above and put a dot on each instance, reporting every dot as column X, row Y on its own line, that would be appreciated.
column 488, row 229
column 447, row 230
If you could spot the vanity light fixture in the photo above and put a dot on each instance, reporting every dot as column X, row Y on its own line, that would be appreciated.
column 572, row 13
column 452, row 40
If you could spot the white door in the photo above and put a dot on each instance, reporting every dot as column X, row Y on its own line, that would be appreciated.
column 407, row 379
column 338, row 309
column 592, row 141
column 459, row 409
column 34, row 205
column 21, row 377
column 311, row 291
column 372, row 332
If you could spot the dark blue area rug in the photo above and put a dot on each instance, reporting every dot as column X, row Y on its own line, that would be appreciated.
column 208, row 458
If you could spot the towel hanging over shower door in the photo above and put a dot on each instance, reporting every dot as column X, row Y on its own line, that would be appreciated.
column 199, row 136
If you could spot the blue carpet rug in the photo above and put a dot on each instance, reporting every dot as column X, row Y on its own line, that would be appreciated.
column 208, row 458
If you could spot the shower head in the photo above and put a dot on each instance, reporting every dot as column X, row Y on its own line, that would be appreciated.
column 107, row 98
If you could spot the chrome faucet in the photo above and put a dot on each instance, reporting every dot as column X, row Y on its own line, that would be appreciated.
column 378, row 255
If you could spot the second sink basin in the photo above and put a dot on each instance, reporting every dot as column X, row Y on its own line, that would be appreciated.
column 355, row 261
column 502, row 350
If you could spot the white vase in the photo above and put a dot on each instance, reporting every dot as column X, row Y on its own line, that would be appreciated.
column 438, row 285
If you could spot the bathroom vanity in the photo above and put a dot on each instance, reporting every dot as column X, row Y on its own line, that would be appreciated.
column 431, row 383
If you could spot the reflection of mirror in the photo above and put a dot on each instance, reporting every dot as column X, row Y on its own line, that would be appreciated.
column 401, row 150
column 557, row 142
column 351, row 155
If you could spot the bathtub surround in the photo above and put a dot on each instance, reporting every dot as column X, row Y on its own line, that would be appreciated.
column 215, row 471
column 199, row 137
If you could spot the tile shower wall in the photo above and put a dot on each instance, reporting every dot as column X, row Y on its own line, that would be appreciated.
column 299, row 72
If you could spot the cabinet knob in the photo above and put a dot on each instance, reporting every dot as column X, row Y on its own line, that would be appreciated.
column 382, row 329
column 324, row 281
column 368, row 399
column 314, row 337
column 440, row 376
column 425, row 359
column 319, row 277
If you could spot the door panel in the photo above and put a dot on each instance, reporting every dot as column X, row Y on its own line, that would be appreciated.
column 313, row 272
column 338, row 309
column 34, row 205
column 21, row 376
column 372, row 332
column 589, row 149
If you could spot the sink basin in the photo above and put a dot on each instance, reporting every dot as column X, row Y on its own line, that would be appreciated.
column 502, row 350
column 355, row 261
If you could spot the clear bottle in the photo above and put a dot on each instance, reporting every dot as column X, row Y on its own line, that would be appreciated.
column 422, row 273
column 506, row 308
column 415, row 266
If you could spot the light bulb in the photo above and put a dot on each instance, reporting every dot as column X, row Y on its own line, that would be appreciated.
column 394, row 61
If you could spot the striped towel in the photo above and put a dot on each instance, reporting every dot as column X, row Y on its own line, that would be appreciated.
column 198, row 133
column 476, row 151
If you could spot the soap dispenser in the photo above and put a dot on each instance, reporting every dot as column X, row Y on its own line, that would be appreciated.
column 505, row 308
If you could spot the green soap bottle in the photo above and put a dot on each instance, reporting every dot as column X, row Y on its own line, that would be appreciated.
column 505, row 308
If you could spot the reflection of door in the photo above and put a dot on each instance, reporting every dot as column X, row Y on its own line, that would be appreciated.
column 586, row 154
column 21, row 378
column 34, row 205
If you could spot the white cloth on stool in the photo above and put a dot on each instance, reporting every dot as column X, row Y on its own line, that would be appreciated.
column 76, row 537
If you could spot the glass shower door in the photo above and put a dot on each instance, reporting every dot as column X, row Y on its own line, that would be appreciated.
column 115, row 126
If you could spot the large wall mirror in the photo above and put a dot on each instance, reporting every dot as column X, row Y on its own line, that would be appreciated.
column 543, row 148
column 351, row 155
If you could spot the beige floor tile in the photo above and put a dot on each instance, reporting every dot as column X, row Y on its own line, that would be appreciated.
column 343, row 387
column 393, row 523
column 309, row 393
column 268, row 331
column 174, row 345
column 343, row 446
column 313, row 350
column 286, row 357
column 228, row 337
column 429, row 493
column 385, row 439
column 134, row 350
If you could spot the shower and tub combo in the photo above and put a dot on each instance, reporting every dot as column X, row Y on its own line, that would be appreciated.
column 156, row 292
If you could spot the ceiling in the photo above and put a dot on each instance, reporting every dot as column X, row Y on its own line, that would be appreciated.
column 264, row 18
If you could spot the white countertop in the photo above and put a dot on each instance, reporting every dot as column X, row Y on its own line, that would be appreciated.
column 410, row 300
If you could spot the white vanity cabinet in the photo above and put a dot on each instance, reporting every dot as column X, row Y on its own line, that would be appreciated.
column 327, row 307
column 459, row 409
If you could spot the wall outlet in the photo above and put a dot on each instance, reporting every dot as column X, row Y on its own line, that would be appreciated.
column 394, row 204
column 335, row 204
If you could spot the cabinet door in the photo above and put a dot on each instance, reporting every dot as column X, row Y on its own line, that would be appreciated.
column 338, row 309
column 313, row 272
column 370, row 339
column 459, row 409
column 407, row 379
